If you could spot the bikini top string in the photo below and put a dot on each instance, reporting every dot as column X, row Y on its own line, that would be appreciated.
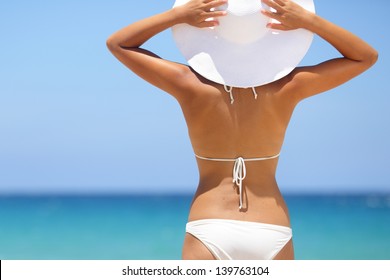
column 229, row 90
column 239, row 170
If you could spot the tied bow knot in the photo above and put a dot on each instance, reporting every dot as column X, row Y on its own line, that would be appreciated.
column 239, row 174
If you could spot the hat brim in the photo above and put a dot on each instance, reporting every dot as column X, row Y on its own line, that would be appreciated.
column 260, row 62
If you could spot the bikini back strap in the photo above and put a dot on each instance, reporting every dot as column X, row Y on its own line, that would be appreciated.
column 234, row 159
column 239, row 170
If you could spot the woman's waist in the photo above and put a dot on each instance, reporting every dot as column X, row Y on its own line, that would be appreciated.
column 259, row 204
column 225, row 187
column 252, row 177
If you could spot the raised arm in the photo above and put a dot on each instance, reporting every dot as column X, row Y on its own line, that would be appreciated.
column 357, row 55
column 169, row 76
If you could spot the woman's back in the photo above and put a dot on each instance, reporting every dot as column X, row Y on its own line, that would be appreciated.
column 251, row 127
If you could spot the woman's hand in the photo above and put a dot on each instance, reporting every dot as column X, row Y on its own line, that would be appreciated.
column 201, row 13
column 357, row 55
column 290, row 15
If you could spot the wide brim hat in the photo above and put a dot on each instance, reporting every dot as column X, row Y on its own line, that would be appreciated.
column 241, row 51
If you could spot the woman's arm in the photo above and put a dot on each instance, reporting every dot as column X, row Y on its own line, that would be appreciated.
column 358, row 56
column 169, row 76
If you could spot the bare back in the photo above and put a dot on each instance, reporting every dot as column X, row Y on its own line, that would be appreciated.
column 247, row 128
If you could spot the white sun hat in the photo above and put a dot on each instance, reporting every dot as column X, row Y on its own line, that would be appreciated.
column 241, row 51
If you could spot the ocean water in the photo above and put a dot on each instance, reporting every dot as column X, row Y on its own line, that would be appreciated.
column 152, row 227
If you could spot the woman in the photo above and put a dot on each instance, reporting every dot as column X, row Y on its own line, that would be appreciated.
column 249, row 221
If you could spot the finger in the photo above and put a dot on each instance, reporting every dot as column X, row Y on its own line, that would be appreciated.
column 215, row 4
column 271, row 15
column 281, row 3
column 208, row 23
column 278, row 26
column 272, row 4
column 214, row 14
column 211, row 17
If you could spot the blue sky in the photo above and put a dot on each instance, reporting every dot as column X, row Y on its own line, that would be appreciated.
column 73, row 119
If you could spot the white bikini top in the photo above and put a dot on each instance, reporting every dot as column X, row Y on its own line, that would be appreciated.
column 239, row 169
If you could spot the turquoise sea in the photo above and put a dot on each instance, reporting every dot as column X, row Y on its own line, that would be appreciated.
column 152, row 226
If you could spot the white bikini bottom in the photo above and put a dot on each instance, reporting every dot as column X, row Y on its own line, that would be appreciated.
column 240, row 240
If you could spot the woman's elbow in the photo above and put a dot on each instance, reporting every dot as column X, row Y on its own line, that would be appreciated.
column 372, row 58
column 112, row 44
column 368, row 60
